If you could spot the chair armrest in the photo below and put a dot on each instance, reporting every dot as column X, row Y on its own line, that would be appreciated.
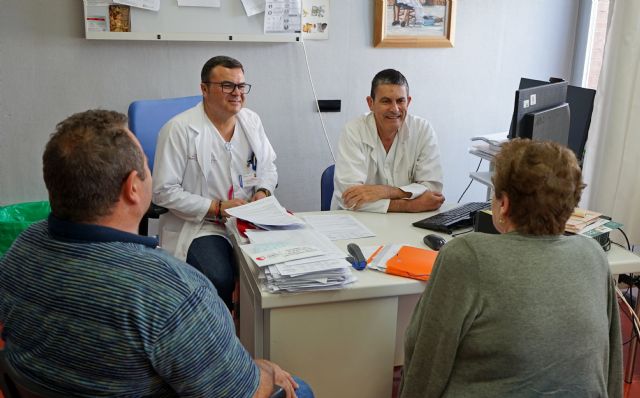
column 155, row 211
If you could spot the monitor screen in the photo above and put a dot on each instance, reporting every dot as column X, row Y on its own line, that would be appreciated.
column 541, row 113
column 580, row 102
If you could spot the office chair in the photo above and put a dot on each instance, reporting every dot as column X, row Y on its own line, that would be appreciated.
column 326, row 188
column 146, row 118
column 15, row 385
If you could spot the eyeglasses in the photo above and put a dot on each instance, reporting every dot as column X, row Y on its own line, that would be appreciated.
column 230, row 87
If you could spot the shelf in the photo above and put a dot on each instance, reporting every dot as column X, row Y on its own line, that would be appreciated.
column 272, row 38
column 481, row 154
column 483, row 177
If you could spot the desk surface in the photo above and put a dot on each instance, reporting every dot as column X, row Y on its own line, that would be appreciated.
column 394, row 228
column 309, row 333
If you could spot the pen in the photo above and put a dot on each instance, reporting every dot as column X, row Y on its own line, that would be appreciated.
column 230, row 194
column 370, row 259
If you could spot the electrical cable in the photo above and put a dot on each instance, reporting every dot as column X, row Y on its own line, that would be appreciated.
column 315, row 96
column 625, row 238
column 470, row 181
column 617, row 244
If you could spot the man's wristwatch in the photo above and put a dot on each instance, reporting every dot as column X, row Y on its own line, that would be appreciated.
column 278, row 392
column 265, row 191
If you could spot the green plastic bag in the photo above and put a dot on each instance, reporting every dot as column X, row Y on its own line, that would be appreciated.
column 16, row 218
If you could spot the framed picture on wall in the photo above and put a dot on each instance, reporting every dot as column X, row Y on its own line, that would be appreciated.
column 414, row 23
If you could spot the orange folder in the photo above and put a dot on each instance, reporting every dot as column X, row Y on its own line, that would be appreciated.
column 412, row 262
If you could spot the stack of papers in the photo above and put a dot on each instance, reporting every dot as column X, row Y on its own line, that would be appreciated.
column 297, row 261
column 580, row 219
column 267, row 214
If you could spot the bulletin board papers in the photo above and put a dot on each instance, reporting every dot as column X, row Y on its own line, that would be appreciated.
column 98, row 3
column 315, row 19
column 199, row 3
column 97, row 23
column 253, row 7
column 282, row 16
column 152, row 5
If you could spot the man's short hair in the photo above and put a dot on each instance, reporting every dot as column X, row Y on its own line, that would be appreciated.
column 388, row 76
column 85, row 163
column 220, row 60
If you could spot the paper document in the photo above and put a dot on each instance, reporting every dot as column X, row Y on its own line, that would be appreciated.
column 98, row 2
column 271, row 253
column 338, row 227
column 602, row 226
column 379, row 259
column 265, row 211
column 282, row 16
column 199, row 3
column 317, row 266
column 253, row 7
column 300, row 237
column 315, row 19
column 153, row 5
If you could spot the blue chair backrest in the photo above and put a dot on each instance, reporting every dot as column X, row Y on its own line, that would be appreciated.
column 326, row 188
column 146, row 118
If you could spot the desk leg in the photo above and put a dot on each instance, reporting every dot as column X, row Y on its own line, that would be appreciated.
column 406, row 305
column 343, row 349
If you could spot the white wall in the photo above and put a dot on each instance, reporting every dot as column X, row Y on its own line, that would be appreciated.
column 49, row 71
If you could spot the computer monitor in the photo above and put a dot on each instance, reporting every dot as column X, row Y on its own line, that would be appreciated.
column 542, row 113
column 580, row 102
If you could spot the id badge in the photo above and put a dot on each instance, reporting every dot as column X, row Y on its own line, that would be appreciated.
column 248, row 180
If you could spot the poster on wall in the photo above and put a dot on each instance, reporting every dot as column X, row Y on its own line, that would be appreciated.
column 282, row 16
column 153, row 5
column 315, row 19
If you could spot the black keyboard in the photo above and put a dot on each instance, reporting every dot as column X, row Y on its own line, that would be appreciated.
column 452, row 219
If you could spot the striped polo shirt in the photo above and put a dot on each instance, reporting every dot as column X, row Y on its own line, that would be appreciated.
column 89, row 310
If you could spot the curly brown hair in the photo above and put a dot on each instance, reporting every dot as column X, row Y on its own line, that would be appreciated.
column 543, row 182
column 85, row 163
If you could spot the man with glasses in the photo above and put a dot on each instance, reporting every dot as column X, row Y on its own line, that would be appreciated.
column 210, row 158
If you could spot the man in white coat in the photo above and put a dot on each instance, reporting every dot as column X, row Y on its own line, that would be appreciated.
column 388, row 160
column 208, row 159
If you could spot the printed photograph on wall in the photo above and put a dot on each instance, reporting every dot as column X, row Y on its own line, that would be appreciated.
column 315, row 19
column 414, row 23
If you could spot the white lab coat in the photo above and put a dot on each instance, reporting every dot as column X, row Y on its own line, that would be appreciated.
column 416, row 168
column 183, row 157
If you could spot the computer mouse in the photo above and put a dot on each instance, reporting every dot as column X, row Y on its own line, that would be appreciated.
column 434, row 241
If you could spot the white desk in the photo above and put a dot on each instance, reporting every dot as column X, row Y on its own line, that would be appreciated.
column 344, row 343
